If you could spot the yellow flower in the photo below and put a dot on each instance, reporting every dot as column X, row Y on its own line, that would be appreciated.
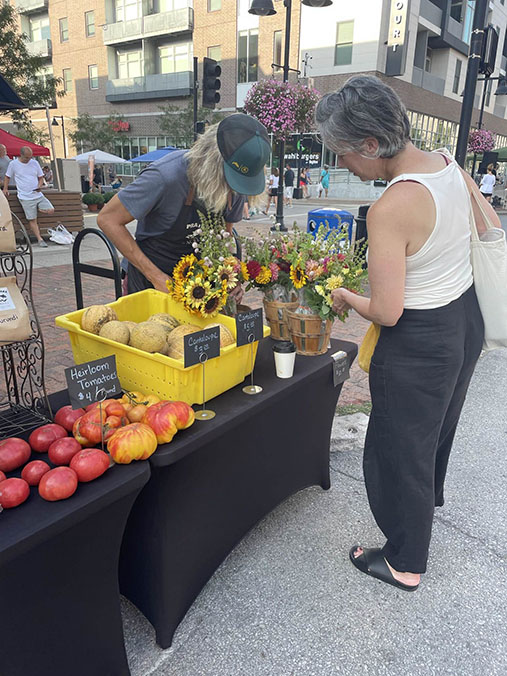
column 244, row 271
column 320, row 290
column 345, row 271
column 211, row 304
column 264, row 276
column 359, row 272
column 225, row 273
column 334, row 282
column 177, row 290
column 232, row 261
column 195, row 291
column 297, row 276
column 184, row 267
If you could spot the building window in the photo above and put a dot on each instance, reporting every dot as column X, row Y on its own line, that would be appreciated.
column 67, row 80
column 175, row 58
column 248, row 55
column 277, row 49
column 64, row 30
column 344, row 41
column 130, row 64
column 489, row 87
column 39, row 28
column 214, row 5
column 127, row 10
column 428, row 59
column 93, row 77
column 90, row 24
column 462, row 11
column 457, row 76
column 215, row 53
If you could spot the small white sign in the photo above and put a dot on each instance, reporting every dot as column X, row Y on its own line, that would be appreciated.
column 5, row 299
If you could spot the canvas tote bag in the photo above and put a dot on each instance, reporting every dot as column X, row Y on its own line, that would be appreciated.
column 488, row 253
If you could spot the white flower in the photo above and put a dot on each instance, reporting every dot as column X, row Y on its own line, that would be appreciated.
column 195, row 245
column 198, row 231
column 221, row 259
column 226, row 234
column 207, row 261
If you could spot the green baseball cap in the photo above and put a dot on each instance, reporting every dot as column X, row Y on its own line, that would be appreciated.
column 244, row 144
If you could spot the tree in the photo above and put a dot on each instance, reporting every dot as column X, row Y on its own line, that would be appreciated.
column 24, row 72
column 178, row 123
column 283, row 108
column 91, row 133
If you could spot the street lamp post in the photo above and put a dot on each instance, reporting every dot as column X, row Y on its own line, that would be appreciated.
column 266, row 8
column 54, row 123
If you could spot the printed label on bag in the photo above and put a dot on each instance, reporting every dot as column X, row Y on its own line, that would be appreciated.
column 6, row 302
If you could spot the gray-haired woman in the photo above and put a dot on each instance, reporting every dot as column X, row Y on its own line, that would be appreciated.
column 423, row 297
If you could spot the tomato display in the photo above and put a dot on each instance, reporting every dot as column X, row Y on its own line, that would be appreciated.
column 63, row 450
column 132, row 442
column 34, row 471
column 67, row 416
column 14, row 452
column 58, row 484
column 41, row 439
column 13, row 492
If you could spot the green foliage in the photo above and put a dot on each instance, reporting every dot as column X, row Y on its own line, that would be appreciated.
column 178, row 123
column 91, row 133
column 109, row 195
column 23, row 72
column 93, row 198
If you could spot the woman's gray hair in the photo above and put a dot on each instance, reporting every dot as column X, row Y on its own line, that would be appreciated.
column 365, row 107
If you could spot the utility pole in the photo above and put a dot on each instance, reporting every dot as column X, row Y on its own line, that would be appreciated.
column 196, row 87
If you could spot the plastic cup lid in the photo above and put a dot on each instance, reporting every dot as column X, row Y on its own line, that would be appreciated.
column 284, row 346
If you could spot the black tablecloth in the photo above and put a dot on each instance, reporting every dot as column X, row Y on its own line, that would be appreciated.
column 58, row 577
column 216, row 480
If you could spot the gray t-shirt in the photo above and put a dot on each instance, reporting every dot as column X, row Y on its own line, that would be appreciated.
column 157, row 195
column 4, row 163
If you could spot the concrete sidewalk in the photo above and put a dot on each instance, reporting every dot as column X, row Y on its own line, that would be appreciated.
column 287, row 602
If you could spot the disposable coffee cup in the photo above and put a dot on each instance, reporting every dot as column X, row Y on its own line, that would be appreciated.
column 285, row 356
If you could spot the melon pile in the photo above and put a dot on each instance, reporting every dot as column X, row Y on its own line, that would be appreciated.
column 161, row 333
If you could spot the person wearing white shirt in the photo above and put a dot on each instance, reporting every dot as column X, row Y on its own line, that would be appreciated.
column 29, row 179
column 487, row 184
column 4, row 161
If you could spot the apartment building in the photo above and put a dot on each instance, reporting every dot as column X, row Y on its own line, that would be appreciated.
column 132, row 56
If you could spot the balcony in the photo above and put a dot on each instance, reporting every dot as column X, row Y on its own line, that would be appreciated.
column 427, row 81
column 164, row 23
column 430, row 12
column 40, row 48
column 157, row 86
column 30, row 6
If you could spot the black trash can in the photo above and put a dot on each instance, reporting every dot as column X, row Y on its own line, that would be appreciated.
column 361, row 230
column 298, row 193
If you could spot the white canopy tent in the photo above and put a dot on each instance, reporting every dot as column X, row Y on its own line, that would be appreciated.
column 100, row 157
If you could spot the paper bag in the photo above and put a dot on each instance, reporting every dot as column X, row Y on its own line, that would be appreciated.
column 7, row 237
column 14, row 316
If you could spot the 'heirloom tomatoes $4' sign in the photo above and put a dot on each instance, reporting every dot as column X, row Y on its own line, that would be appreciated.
column 92, row 381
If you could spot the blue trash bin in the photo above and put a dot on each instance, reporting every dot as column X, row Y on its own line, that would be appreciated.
column 333, row 218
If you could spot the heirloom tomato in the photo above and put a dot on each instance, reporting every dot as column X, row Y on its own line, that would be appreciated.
column 41, row 439
column 2, row 476
column 167, row 417
column 14, row 452
column 58, row 484
column 13, row 492
column 62, row 451
column 87, row 430
column 67, row 416
column 133, row 442
column 89, row 464
column 34, row 471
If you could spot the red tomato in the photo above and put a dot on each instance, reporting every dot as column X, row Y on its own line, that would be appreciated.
column 13, row 492
column 89, row 464
column 2, row 477
column 34, row 471
column 42, row 438
column 63, row 450
column 14, row 452
column 58, row 484
column 67, row 416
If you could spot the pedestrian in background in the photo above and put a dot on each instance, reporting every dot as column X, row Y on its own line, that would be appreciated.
column 274, row 181
column 423, row 298
column 48, row 175
column 487, row 184
column 29, row 179
column 324, row 181
column 303, row 182
column 4, row 162
column 288, row 179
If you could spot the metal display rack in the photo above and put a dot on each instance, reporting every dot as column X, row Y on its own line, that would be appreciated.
column 24, row 403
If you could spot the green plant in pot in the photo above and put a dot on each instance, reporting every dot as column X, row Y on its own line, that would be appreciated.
column 93, row 200
column 109, row 195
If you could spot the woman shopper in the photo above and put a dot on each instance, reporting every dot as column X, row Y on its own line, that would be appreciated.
column 274, row 181
column 487, row 184
column 423, row 297
column 324, row 181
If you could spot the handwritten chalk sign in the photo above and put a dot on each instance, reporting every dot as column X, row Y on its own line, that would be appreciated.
column 201, row 346
column 92, row 381
column 249, row 324
column 340, row 367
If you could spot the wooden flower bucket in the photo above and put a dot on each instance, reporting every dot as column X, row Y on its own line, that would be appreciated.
column 275, row 312
column 309, row 333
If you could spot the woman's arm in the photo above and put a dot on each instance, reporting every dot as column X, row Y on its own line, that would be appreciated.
column 479, row 219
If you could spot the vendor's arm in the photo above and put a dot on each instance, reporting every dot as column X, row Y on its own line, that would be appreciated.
column 388, row 226
column 112, row 220
column 5, row 186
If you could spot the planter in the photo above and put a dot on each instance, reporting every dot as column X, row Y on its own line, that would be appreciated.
column 93, row 207
column 309, row 333
column 275, row 312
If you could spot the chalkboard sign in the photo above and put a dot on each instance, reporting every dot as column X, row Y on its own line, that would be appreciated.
column 340, row 367
column 92, row 381
column 201, row 346
column 249, row 324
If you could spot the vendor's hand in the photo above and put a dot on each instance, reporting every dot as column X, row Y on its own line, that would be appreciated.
column 6, row 192
column 159, row 282
column 237, row 293
column 339, row 297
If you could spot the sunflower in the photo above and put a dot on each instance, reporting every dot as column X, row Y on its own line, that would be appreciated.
column 211, row 304
column 178, row 291
column 244, row 271
column 196, row 290
column 225, row 273
column 297, row 276
column 264, row 276
column 184, row 267
column 334, row 282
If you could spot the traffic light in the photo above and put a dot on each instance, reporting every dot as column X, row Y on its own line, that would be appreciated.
column 489, row 47
column 211, row 71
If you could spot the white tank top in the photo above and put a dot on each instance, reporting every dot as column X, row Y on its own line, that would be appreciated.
column 440, row 271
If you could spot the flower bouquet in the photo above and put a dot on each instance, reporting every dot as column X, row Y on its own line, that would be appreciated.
column 203, row 280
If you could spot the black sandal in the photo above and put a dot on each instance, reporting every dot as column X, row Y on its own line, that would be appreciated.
column 372, row 562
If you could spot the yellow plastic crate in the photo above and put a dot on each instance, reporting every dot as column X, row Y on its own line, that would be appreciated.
column 156, row 373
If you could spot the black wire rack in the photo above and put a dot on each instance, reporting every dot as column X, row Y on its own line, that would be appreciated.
column 24, row 402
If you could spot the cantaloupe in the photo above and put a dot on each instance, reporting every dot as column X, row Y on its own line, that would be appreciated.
column 116, row 331
column 164, row 319
column 226, row 337
column 175, row 347
column 148, row 336
column 95, row 316
column 130, row 325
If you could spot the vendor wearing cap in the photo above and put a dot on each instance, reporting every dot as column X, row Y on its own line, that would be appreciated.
column 225, row 163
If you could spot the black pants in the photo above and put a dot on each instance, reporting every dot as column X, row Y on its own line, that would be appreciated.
column 419, row 376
